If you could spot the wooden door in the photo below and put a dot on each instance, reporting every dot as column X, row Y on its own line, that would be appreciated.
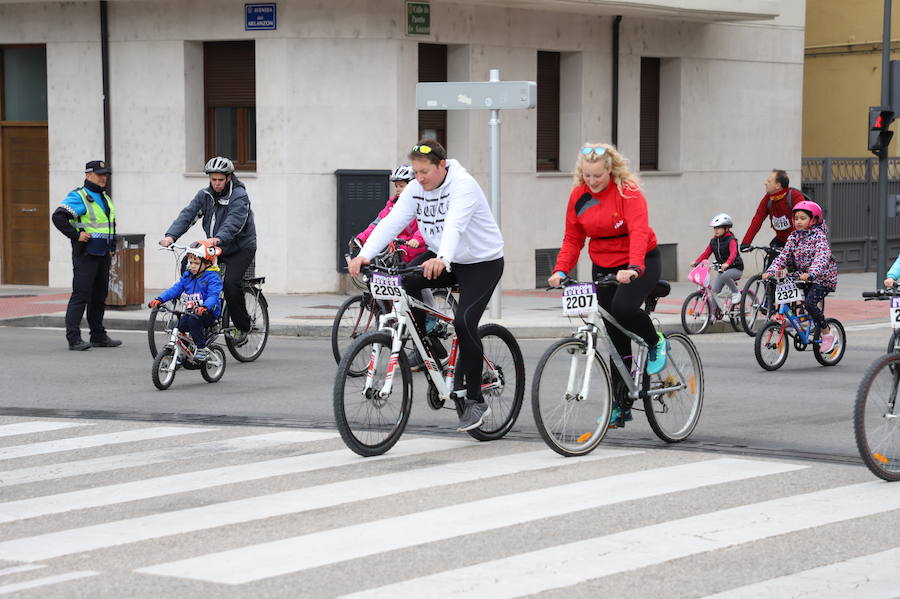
column 24, row 160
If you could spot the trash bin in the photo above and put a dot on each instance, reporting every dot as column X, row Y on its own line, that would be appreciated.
column 126, row 273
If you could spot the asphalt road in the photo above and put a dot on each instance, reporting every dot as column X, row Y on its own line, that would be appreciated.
column 802, row 410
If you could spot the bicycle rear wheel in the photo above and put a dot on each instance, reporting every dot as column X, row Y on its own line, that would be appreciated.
column 771, row 346
column 159, row 328
column 840, row 344
column 502, row 382
column 258, row 310
column 370, row 424
column 696, row 313
column 571, row 423
column 754, row 309
column 356, row 316
column 876, row 418
column 214, row 367
column 674, row 415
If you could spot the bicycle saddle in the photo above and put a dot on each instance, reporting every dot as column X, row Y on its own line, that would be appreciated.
column 662, row 289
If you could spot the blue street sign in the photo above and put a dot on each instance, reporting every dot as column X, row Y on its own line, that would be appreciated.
column 260, row 17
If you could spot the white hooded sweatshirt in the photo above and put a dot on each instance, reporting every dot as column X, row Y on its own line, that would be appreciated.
column 454, row 219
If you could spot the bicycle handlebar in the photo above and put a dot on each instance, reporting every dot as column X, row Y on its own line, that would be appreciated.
column 609, row 280
column 881, row 293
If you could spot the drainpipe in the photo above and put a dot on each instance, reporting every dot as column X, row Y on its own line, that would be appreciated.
column 104, row 65
column 615, row 80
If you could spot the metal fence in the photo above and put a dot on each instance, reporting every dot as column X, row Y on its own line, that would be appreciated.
column 847, row 190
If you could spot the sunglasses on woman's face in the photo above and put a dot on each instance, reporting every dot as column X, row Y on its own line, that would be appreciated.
column 588, row 150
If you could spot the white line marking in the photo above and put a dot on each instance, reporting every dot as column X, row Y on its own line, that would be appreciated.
column 873, row 576
column 73, row 443
column 275, row 558
column 36, row 426
column 867, row 327
column 204, row 479
column 572, row 563
column 155, row 456
column 18, row 569
column 110, row 534
column 42, row 582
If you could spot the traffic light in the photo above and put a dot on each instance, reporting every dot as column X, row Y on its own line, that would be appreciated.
column 880, row 135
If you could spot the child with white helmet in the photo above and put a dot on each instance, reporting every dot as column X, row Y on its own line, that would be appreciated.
column 724, row 247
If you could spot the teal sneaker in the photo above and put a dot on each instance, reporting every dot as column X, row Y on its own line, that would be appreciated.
column 656, row 359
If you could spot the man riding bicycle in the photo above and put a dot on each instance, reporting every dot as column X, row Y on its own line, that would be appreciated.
column 227, row 220
column 777, row 204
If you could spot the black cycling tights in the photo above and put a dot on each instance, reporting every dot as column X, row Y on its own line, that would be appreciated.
column 476, row 284
column 625, row 303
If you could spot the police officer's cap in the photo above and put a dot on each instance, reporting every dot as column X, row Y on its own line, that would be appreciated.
column 97, row 166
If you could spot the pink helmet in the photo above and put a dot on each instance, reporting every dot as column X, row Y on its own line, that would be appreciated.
column 811, row 207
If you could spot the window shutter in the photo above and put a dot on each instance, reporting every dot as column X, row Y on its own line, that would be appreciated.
column 433, row 68
column 548, row 111
column 229, row 73
column 649, row 123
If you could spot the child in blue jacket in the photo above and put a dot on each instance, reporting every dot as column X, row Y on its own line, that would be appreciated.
column 201, row 283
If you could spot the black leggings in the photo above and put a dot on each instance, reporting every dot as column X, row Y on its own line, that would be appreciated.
column 476, row 284
column 625, row 303
column 235, row 266
column 815, row 294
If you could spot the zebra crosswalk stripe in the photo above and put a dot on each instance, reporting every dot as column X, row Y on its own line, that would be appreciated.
column 278, row 504
column 42, row 582
column 73, row 443
column 192, row 481
column 156, row 456
column 36, row 426
column 299, row 553
column 572, row 563
column 872, row 576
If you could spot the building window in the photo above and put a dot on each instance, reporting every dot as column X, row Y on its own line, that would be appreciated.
column 548, row 66
column 433, row 68
column 23, row 83
column 649, row 123
column 229, row 91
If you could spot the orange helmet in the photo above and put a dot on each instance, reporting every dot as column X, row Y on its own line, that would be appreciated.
column 205, row 251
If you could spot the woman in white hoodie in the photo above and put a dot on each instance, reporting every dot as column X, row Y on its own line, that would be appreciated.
column 465, row 247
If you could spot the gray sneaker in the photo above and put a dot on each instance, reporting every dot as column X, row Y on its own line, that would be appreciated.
column 239, row 337
column 473, row 415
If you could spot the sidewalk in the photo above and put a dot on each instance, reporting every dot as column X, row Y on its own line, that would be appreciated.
column 528, row 313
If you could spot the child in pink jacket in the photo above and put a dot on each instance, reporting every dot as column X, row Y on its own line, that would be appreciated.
column 415, row 244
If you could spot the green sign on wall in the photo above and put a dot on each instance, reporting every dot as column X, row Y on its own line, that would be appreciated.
column 418, row 18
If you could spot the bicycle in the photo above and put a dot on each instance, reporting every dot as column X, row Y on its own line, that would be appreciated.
column 756, row 302
column 180, row 350
column 572, row 393
column 876, row 413
column 372, row 407
column 247, row 350
column 791, row 321
column 700, row 308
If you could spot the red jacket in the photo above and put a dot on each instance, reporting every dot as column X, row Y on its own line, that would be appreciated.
column 617, row 225
column 780, row 209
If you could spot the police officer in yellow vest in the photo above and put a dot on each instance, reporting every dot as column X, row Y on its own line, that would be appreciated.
column 87, row 217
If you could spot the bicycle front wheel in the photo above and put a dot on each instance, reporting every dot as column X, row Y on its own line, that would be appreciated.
column 162, row 373
column 571, row 408
column 371, row 422
column 876, row 418
column 502, row 382
column 674, row 415
column 258, row 310
column 356, row 316
column 894, row 343
column 771, row 346
column 159, row 329
column 696, row 313
column 753, row 308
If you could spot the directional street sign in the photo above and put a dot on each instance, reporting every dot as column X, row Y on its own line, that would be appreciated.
column 476, row 95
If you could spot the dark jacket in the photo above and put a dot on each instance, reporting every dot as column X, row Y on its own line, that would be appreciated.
column 229, row 218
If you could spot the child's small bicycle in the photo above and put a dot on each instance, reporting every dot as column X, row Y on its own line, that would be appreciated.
column 179, row 353
column 792, row 324
column 876, row 415
column 700, row 308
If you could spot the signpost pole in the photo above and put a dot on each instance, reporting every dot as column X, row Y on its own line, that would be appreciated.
column 496, row 304
column 881, row 263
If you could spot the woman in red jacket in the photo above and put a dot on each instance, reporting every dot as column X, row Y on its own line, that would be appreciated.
column 606, row 204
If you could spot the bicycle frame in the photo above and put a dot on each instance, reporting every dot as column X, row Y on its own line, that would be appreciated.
column 397, row 324
column 591, row 332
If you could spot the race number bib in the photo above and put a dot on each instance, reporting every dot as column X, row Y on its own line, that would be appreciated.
column 386, row 287
column 580, row 299
column 780, row 223
column 895, row 312
column 787, row 293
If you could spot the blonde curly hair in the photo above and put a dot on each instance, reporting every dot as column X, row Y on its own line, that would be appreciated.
column 624, row 179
